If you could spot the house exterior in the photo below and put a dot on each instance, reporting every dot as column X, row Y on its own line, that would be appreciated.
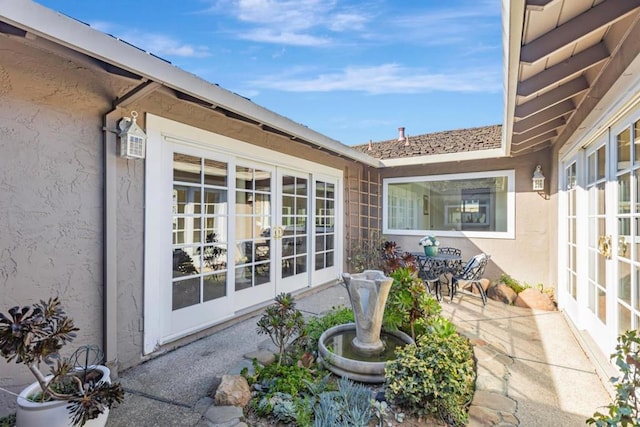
column 572, row 91
column 231, row 205
column 234, row 203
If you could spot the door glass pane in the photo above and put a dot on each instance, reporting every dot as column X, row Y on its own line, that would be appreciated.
column 185, row 293
column 215, row 173
column 215, row 286
column 199, row 229
column 600, row 199
column 602, row 165
column 624, row 282
column 624, row 319
column 636, row 139
column 325, row 221
column 624, row 149
column 624, row 193
column 591, row 167
column 186, row 168
column 602, row 305
column 253, row 227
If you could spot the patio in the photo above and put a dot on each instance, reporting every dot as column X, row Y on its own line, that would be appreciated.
column 532, row 370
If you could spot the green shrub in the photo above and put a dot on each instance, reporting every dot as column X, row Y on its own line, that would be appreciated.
column 8, row 421
column 409, row 305
column 317, row 325
column 288, row 379
column 350, row 405
column 281, row 321
column 436, row 376
column 624, row 411
column 513, row 283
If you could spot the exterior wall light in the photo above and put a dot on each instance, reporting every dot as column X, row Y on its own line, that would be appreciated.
column 132, row 138
column 538, row 180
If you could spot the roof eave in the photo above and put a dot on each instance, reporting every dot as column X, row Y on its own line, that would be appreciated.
column 512, row 24
column 56, row 27
column 443, row 158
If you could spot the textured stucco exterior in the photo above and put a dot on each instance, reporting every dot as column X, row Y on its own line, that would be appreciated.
column 50, row 188
column 52, row 109
column 528, row 256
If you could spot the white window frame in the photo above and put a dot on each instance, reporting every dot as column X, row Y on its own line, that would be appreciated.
column 511, row 204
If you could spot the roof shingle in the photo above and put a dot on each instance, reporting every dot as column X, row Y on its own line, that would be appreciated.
column 451, row 141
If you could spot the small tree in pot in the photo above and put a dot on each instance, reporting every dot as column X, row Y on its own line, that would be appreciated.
column 35, row 334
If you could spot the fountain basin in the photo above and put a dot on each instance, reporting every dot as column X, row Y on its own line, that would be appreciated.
column 337, row 353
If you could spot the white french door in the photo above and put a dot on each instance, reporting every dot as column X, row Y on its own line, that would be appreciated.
column 225, row 232
column 292, row 234
column 599, row 231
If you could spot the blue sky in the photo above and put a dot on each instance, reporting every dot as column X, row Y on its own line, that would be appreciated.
column 352, row 70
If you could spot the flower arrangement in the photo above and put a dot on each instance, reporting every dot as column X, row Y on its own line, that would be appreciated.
column 429, row 241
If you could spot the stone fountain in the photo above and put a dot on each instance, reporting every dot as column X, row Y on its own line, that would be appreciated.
column 360, row 350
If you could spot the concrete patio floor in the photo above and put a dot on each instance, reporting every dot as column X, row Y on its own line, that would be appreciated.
column 550, row 377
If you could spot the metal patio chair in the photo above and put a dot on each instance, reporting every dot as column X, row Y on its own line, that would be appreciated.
column 471, row 273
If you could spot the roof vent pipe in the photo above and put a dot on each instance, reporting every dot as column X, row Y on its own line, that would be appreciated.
column 400, row 134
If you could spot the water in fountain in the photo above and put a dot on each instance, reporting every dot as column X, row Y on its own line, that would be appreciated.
column 360, row 350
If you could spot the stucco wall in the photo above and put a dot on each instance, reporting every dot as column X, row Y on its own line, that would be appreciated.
column 525, row 258
column 50, row 191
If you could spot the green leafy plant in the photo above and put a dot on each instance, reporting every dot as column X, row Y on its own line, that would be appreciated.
column 363, row 253
column 315, row 326
column 281, row 321
column 436, row 376
column 35, row 334
column 409, row 304
column 513, row 283
column 350, row 405
column 441, row 326
column 624, row 411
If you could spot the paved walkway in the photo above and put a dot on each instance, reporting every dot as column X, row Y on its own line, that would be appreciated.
column 531, row 369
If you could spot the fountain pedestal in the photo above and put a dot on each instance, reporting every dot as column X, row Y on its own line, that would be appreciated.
column 360, row 350
column 368, row 293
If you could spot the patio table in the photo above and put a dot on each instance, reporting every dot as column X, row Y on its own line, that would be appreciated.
column 437, row 266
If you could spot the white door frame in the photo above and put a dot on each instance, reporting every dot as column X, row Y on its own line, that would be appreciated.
column 160, row 132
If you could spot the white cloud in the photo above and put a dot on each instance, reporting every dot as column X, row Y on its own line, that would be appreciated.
column 388, row 79
column 286, row 38
column 291, row 22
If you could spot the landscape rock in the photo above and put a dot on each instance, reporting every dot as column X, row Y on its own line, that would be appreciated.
column 502, row 293
column 233, row 391
column 472, row 287
column 533, row 298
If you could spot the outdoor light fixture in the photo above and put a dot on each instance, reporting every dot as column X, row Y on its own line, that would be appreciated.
column 538, row 180
column 132, row 138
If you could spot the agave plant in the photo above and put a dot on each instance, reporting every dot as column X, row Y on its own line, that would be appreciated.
column 33, row 335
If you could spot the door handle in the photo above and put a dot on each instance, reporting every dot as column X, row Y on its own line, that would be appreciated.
column 278, row 232
column 604, row 246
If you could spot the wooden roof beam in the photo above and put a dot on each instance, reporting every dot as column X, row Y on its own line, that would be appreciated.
column 547, row 137
column 599, row 16
column 538, row 5
column 572, row 66
column 543, row 117
column 551, row 98
column 537, row 131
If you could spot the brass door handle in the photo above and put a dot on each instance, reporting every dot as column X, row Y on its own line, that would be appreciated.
column 278, row 232
column 604, row 246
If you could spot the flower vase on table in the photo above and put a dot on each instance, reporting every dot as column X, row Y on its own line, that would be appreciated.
column 431, row 250
column 430, row 244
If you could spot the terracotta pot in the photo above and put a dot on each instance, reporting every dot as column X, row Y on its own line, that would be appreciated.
column 53, row 413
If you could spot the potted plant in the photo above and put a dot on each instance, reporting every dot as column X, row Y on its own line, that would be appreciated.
column 70, row 394
column 430, row 244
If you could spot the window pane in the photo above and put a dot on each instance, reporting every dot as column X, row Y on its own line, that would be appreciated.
column 465, row 204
